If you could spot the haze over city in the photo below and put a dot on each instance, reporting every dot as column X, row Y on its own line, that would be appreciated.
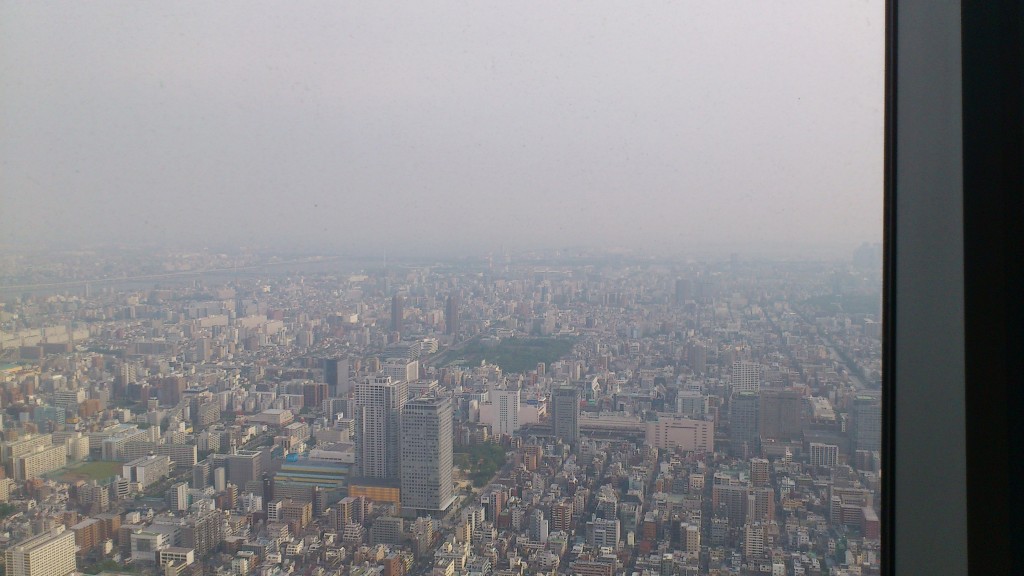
column 443, row 127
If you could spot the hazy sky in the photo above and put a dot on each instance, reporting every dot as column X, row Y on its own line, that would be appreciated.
column 437, row 125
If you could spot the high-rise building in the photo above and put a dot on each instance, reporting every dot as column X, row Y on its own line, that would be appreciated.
column 745, row 377
column 565, row 414
column 51, row 553
column 427, row 455
column 379, row 401
column 396, row 313
column 502, row 411
column 314, row 394
column 401, row 369
column 823, row 454
column 336, row 375
column 780, row 414
column 744, row 423
column 866, row 423
column 451, row 315
column 244, row 468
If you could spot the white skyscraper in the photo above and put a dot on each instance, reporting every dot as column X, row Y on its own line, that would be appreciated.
column 378, row 408
column 502, row 411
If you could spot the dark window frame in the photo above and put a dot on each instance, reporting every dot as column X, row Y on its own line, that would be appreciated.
column 954, row 214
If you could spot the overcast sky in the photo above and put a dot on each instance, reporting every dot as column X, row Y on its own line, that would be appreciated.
column 442, row 126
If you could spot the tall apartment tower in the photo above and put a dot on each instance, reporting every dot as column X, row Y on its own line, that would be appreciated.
column 565, row 414
column 336, row 376
column 51, row 553
column 866, row 423
column 379, row 401
column 427, row 455
column 451, row 315
column 746, row 377
column 744, row 422
column 396, row 313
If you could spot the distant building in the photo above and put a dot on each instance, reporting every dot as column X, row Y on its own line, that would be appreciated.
column 501, row 413
column 672, row 431
column 427, row 484
column 244, row 468
column 744, row 423
column 451, row 315
column 51, row 553
column 866, row 423
column 781, row 414
column 146, row 470
column 745, row 377
column 396, row 313
column 565, row 414
column 379, row 401
column 336, row 375
column 823, row 454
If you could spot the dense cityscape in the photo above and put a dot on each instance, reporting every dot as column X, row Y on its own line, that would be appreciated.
column 587, row 413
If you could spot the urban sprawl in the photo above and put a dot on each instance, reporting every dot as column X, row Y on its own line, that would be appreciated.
column 587, row 414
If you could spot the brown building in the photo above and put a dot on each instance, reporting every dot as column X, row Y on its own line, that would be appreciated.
column 781, row 414
column 88, row 535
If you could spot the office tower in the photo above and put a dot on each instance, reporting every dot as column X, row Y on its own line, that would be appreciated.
column 51, row 553
column 866, row 423
column 244, row 468
column 336, row 375
column 603, row 532
column 501, row 413
column 693, row 403
column 745, row 377
column 451, row 315
column 396, row 313
column 780, row 414
column 427, row 454
column 743, row 421
column 565, row 414
column 379, row 401
column 823, row 454
column 401, row 369
column 697, row 354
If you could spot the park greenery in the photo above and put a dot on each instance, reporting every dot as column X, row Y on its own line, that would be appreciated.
column 515, row 355
column 480, row 462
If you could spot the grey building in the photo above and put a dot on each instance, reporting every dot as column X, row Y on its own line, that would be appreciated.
column 565, row 414
column 744, row 422
column 427, row 455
